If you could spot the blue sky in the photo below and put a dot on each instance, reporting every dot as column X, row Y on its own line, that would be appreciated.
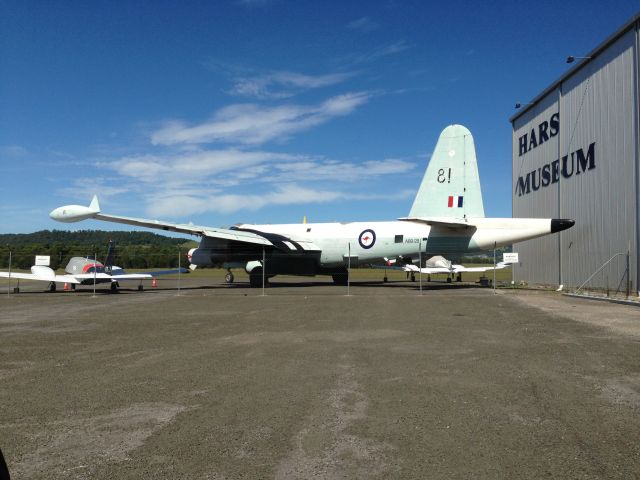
column 263, row 111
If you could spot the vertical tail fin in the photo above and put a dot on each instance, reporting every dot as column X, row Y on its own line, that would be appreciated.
column 451, row 184
column 111, row 253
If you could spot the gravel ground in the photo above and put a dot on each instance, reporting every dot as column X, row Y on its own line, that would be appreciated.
column 306, row 382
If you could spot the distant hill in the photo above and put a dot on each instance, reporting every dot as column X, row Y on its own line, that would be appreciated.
column 133, row 249
column 88, row 237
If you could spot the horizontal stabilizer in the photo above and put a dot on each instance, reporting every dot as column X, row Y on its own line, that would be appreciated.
column 450, row 222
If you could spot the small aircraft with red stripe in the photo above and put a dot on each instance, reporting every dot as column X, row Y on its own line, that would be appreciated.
column 87, row 271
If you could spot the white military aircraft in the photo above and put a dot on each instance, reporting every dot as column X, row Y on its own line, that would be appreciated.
column 447, row 217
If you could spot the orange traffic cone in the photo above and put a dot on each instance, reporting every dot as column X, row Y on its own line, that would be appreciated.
column 66, row 287
column 154, row 283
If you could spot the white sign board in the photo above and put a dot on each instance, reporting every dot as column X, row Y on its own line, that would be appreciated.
column 510, row 257
column 43, row 260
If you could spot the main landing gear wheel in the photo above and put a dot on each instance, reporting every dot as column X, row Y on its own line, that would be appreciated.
column 114, row 287
column 52, row 287
column 140, row 288
column 413, row 277
column 228, row 278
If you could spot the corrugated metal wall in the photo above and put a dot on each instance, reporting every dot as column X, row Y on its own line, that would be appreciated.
column 596, row 106
column 542, row 203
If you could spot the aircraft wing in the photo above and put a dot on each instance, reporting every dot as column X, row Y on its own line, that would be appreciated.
column 76, row 213
column 413, row 268
column 106, row 276
column 120, row 273
column 90, row 276
column 453, row 269
column 41, row 273
column 463, row 269
column 132, row 276
column 221, row 233
column 427, row 270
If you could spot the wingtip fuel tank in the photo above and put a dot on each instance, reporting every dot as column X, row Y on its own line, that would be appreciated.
column 75, row 213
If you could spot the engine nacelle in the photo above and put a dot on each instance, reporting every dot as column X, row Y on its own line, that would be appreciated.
column 199, row 257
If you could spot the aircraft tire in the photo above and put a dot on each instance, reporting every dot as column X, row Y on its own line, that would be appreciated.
column 228, row 278
column 52, row 287
column 413, row 277
column 140, row 288
column 114, row 287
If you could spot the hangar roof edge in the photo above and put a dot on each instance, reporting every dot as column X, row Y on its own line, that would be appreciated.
column 593, row 53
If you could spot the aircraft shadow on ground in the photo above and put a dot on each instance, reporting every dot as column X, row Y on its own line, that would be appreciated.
column 273, row 285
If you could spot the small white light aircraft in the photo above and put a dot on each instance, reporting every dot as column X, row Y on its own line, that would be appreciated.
column 86, row 271
column 79, row 271
column 447, row 217
column 438, row 265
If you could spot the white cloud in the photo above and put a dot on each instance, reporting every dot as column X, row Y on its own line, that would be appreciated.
column 185, row 204
column 363, row 24
column 228, row 180
column 328, row 170
column 379, row 52
column 278, row 85
column 253, row 124
column 182, row 205
column 230, row 167
column 197, row 167
column 84, row 188
column 13, row 151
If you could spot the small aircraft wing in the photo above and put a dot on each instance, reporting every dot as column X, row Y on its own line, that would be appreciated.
column 118, row 272
column 409, row 267
column 90, row 276
column 115, row 278
column 132, row 276
column 427, row 270
column 76, row 213
column 463, row 269
column 41, row 273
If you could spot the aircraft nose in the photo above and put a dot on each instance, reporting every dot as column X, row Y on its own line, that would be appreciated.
column 559, row 224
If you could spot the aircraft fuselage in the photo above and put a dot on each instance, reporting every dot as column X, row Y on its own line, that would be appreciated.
column 310, row 248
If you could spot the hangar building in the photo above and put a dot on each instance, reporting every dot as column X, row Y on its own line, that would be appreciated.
column 576, row 155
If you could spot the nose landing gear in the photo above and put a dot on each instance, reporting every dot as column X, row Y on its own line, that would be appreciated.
column 228, row 278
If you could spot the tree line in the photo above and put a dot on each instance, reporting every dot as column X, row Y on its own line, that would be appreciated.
column 136, row 250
